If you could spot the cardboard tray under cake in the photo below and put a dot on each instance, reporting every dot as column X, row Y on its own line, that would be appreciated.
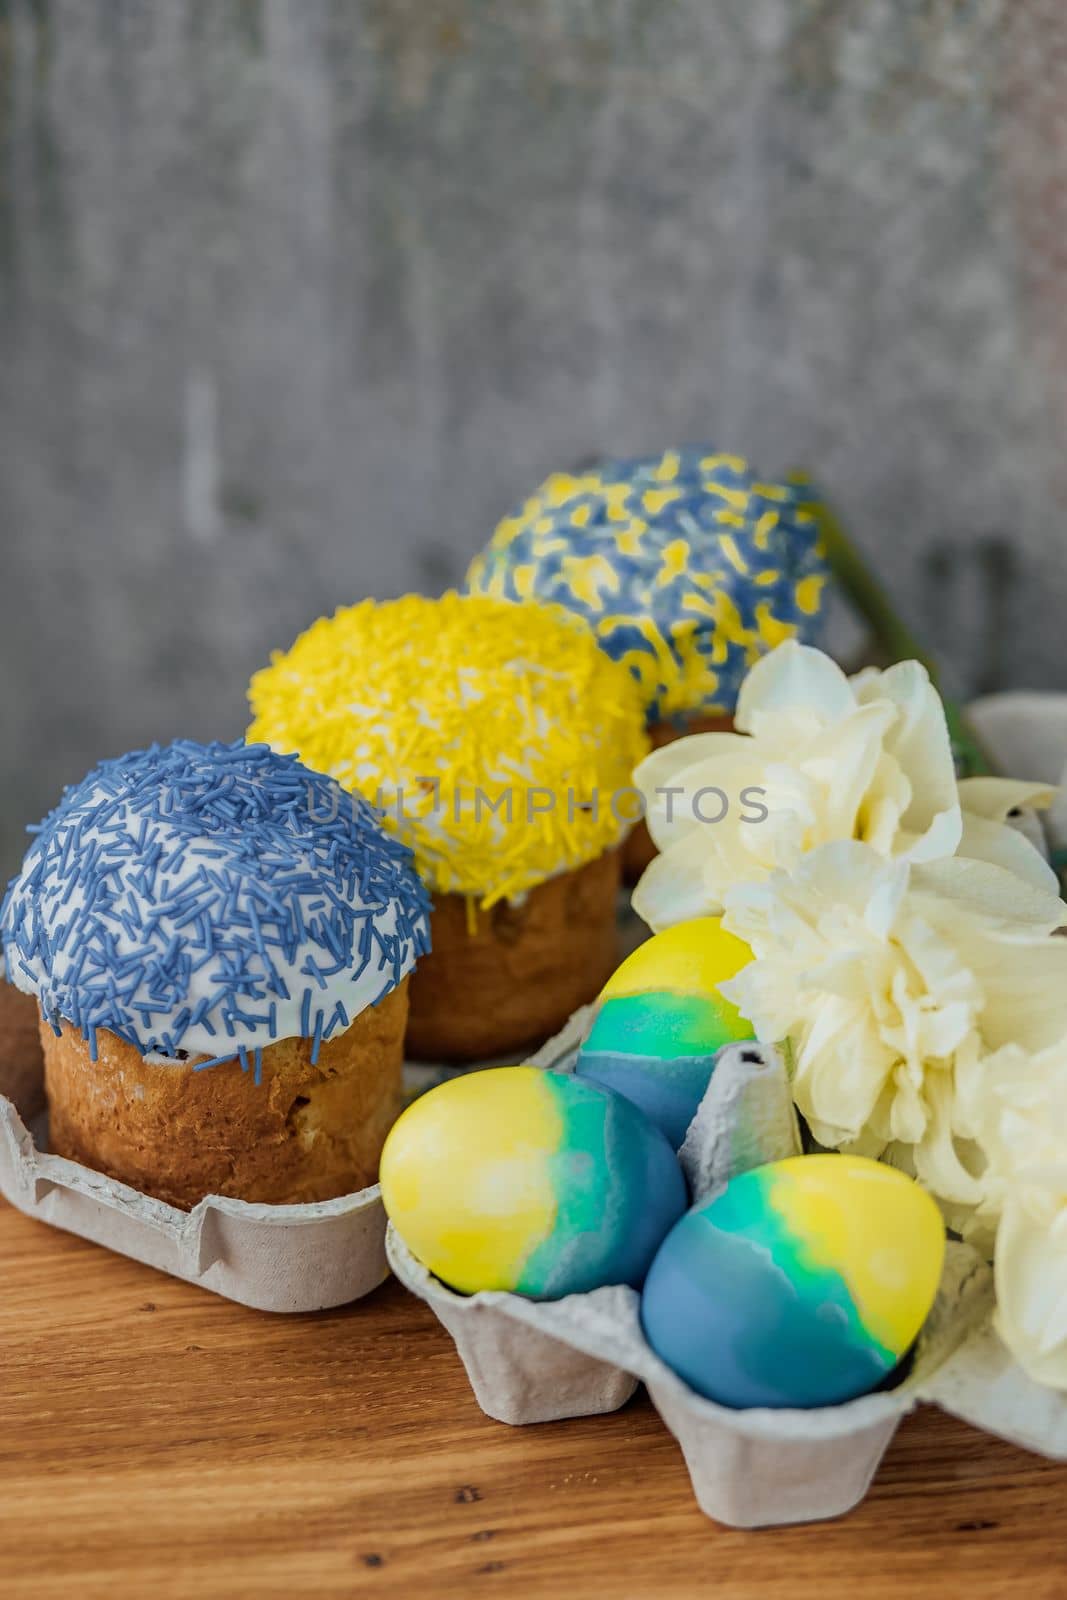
column 531, row 1361
column 285, row 1258
column 275, row 1258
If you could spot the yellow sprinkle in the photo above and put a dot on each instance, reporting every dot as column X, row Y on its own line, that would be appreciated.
column 629, row 539
column 733, row 555
column 654, row 500
column 524, row 576
column 589, row 577
column 809, row 591
column 561, row 487
column 736, row 499
column 772, row 631
column 765, row 526
column 673, row 562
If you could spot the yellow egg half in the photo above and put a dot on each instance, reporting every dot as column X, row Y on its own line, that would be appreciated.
column 690, row 958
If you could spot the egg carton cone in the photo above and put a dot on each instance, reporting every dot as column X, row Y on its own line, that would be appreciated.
column 532, row 1361
column 762, row 1468
column 584, row 1355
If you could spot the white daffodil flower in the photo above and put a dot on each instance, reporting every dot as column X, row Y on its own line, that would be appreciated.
column 892, row 981
column 828, row 758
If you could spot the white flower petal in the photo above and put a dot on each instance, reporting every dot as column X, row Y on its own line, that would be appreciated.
column 919, row 742
column 994, row 798
column 792, row 681
column 668, row 768
column 1001, row 846
column 1031, row 1283
column 964, row 888
column 673, row 886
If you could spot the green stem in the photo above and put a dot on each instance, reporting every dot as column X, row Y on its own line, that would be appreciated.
column 859, row 583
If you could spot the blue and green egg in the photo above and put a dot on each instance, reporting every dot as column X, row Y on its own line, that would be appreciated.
column 661, row 1022
column 532, row 1182
column 803, row 1283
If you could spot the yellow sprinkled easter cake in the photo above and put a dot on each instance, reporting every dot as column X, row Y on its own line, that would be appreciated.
column 499, row 741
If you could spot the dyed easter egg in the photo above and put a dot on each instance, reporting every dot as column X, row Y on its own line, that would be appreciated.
column 530, row 1181
column 661, row 1021
column 802, row 1283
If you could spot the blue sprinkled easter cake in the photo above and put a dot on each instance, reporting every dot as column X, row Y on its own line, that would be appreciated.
column 219, row 942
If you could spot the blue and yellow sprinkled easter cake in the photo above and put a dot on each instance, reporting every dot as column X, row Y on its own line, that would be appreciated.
column 687, row 566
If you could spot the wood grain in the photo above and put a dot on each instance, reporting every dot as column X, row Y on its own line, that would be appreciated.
column 157, row 1441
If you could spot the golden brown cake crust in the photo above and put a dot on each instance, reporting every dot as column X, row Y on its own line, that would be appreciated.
column 515, row 979
column 21, row 1068
column 639, row 850
column 305, row 1133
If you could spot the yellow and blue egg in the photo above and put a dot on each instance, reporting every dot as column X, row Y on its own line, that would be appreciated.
column 803, row 1283
column 661, row 1021
column 687, row 566
column 529, row 1181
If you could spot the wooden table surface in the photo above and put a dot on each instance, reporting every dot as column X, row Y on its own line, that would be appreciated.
column 156, row 1441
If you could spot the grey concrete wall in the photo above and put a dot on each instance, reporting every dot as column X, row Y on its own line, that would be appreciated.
column 297, row 296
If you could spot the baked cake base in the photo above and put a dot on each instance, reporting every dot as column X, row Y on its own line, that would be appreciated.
column 498, row 981
column 304, row 1133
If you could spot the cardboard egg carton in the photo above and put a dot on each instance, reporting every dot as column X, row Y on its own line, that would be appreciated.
column 585, row 1355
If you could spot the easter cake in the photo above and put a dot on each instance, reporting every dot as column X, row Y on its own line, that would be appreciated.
column 687, row 566
column 498, row 741
column 219, row 943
